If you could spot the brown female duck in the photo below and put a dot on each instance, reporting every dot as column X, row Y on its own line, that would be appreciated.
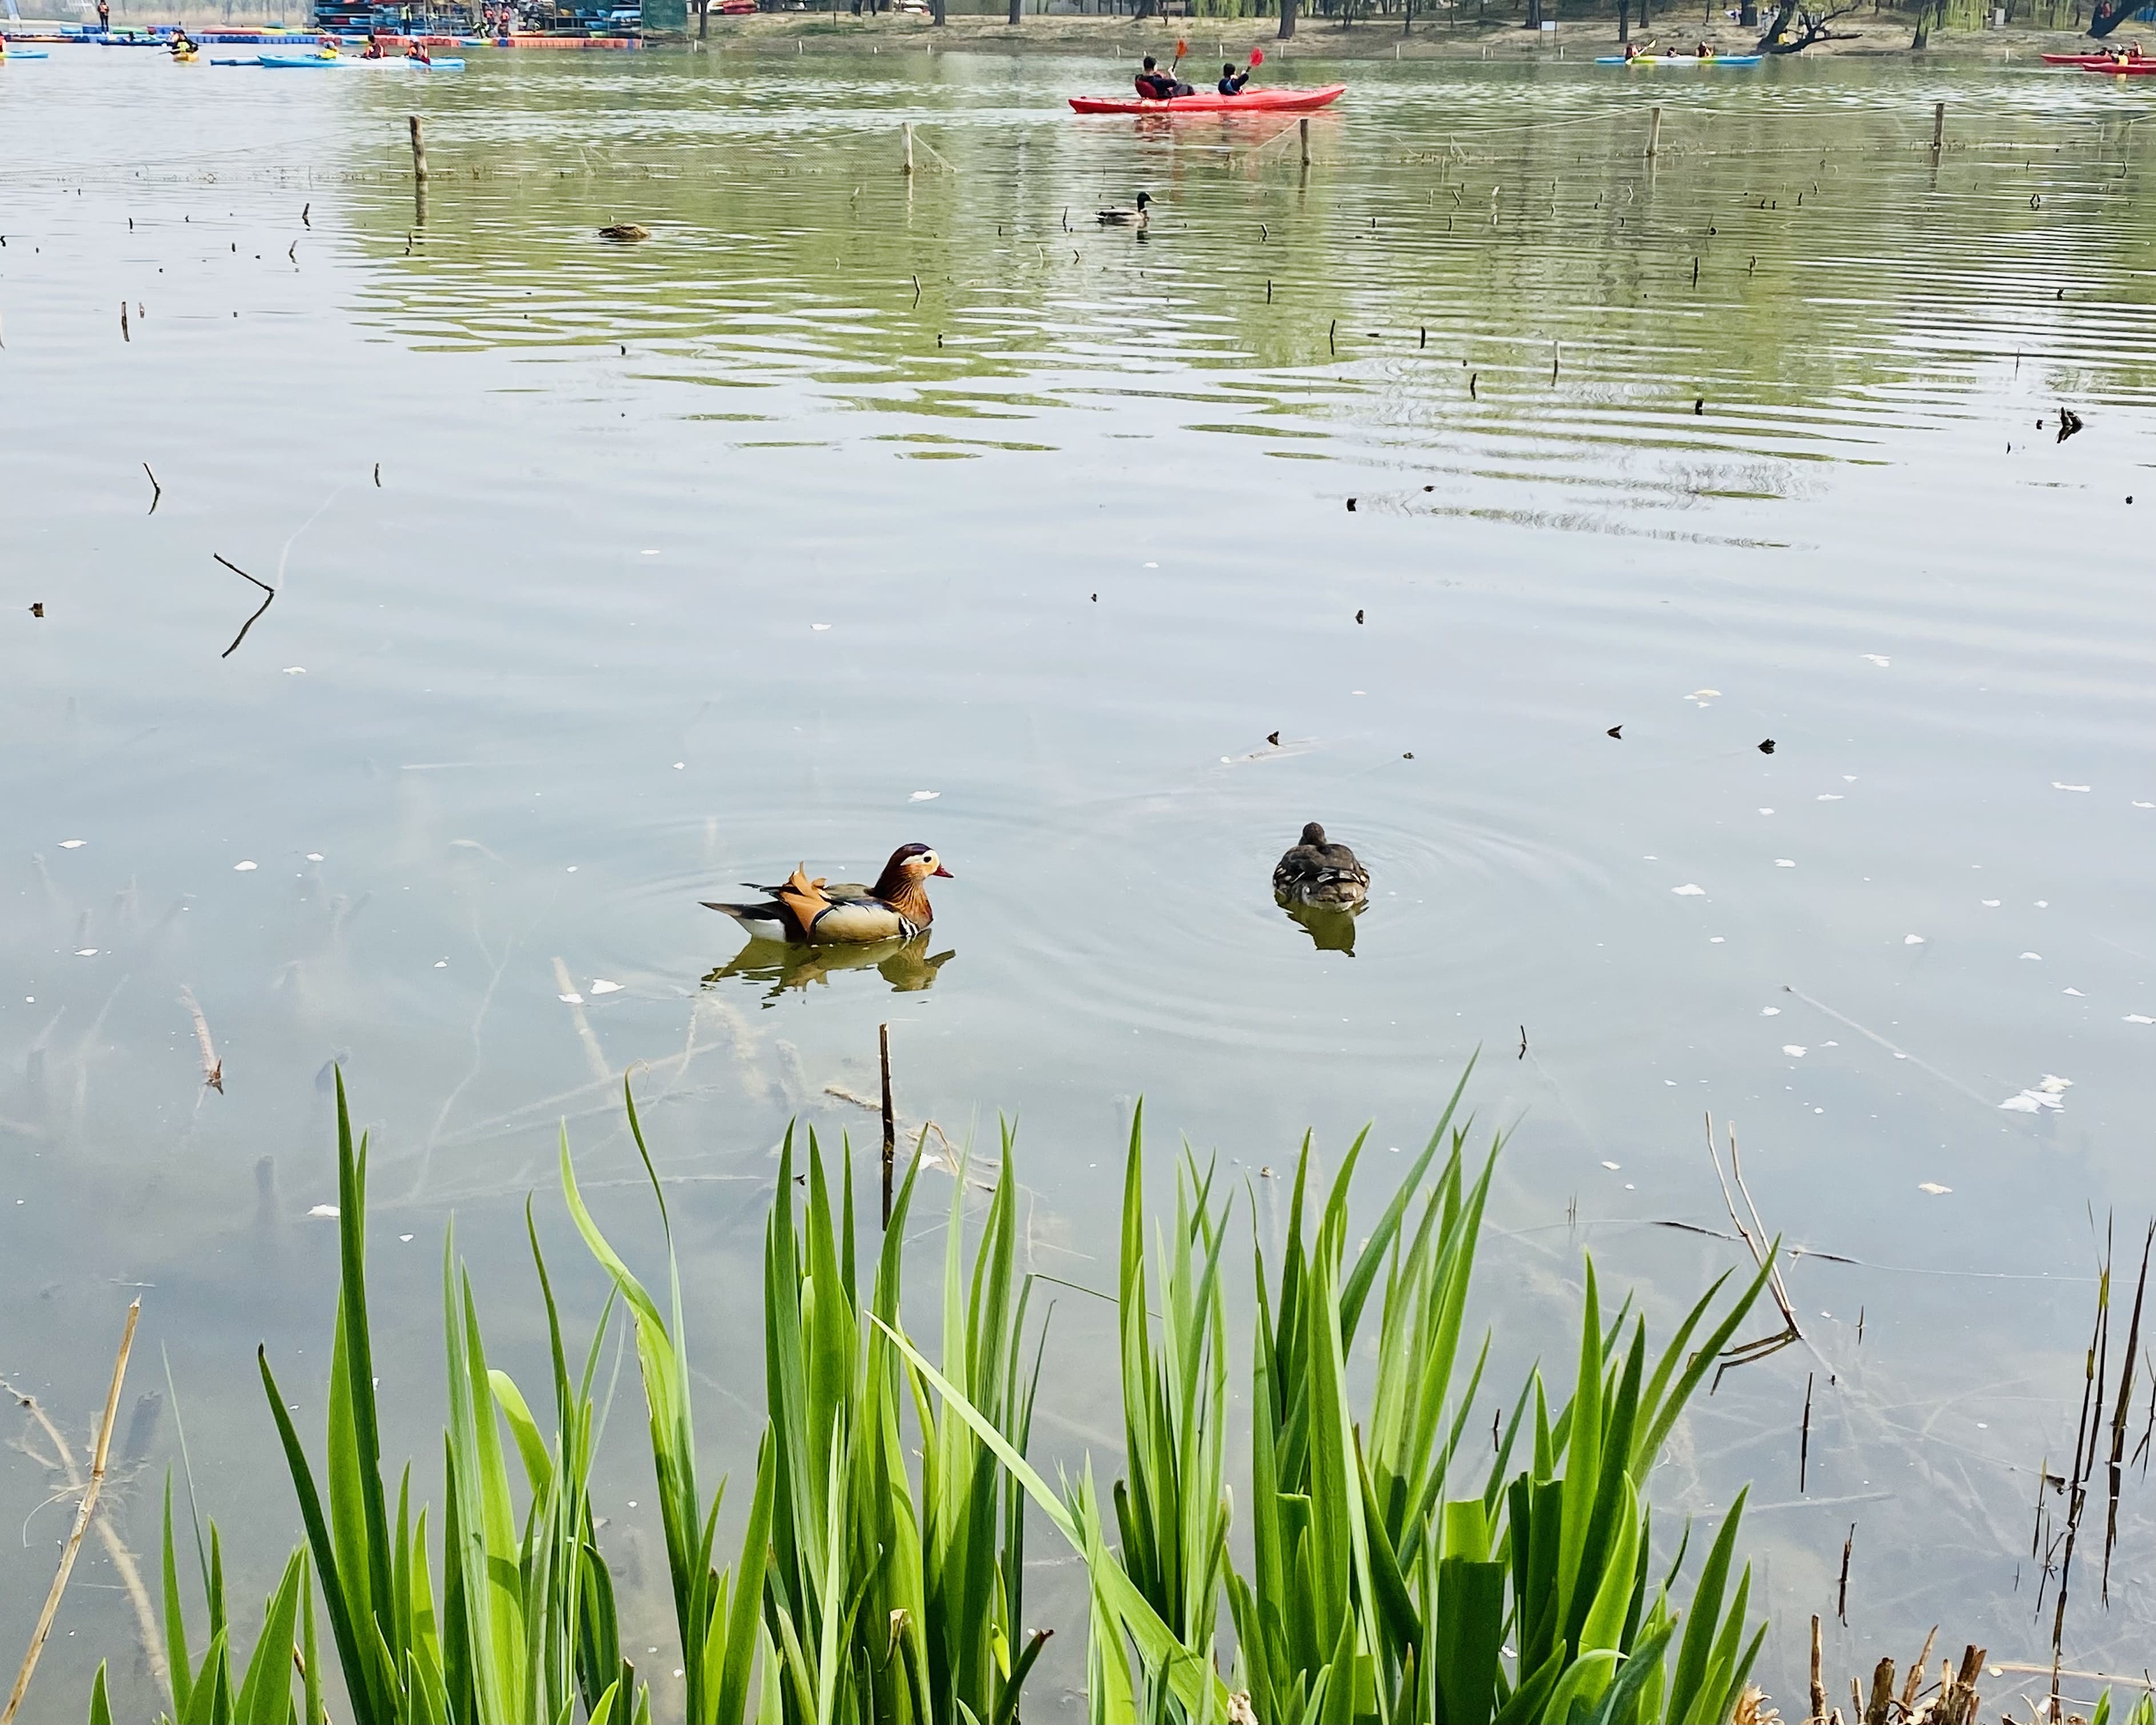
column 805, row 912
column 1316, row 873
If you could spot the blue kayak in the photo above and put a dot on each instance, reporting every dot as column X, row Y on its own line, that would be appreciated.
column 26, row 54
column 315, row 62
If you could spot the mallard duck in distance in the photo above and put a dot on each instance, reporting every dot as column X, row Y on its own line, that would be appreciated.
column 806, row 912
column 1313, row 872
column 1127, row 215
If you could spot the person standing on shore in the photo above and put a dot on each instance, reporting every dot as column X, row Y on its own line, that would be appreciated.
column 103, row 17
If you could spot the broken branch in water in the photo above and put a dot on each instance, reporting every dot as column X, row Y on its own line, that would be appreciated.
column 267, row 589
column 212, row 1067
column 157, row 490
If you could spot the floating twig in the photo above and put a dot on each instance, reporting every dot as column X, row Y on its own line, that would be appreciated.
column 157, row 490
column 1841, row 1587
column 124, row 334
column 83, row 1512
column 269, row 592
column 212, row 1067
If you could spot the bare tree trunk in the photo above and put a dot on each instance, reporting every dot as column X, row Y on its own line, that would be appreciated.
column 1534, row 19
column 938, row 11
column 703, row 20
column 1624, row 20
column 1017, row 8
column 1287, row 20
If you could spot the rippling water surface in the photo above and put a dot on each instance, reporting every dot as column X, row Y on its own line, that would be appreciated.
column 847, row 511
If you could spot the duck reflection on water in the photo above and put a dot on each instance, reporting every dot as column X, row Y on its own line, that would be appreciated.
column 906, row 965
column 1330, row 929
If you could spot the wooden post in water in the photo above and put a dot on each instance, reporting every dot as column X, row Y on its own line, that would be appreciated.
column 418, row 152
column 909, row 147
column 889, row 1118
column 1654, row 133
column 1304, row 124
column 1939, row 128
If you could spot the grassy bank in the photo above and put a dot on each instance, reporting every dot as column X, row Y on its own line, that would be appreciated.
column 1381, row 1568
column 1496, row 34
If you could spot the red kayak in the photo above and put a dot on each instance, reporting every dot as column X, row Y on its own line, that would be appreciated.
column 2130, row 68
column 2097, row 60
column 1252, row 101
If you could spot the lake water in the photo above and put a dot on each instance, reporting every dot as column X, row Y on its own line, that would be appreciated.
column 847, row 511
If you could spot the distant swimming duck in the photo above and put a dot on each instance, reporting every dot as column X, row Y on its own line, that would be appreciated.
column 1127, row 215
column 624, row 230
column 805, row 912
column 1313, row 872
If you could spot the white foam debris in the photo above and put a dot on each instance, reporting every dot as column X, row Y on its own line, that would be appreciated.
column 1879, row 659
column 2046, row 1094
column 2057, row 786
column 326, row 1212
column 1912, row 940
column 1785, row 862
column 245, row 868
column 73, row 843
column 1793, row 1049
column 600, row 985
column 570, row 999
column 1689, row 889
column 922, row 796
column 1933, row 1188
column 1770, row 1012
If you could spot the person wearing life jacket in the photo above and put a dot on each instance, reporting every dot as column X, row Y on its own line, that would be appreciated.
column 372, row 51
column 183, row 46
column 418, row 51
column 1231, row 81
column 1154, row 84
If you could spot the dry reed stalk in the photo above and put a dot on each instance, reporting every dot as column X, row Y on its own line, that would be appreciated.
column 62, row 1462
column 83, row 1512
column 1762, row 1248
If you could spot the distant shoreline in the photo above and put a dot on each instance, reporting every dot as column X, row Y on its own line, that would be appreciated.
column 1878, row 35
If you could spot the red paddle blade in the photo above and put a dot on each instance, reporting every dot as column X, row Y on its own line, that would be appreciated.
column 1257, row 56
column 1181, row 49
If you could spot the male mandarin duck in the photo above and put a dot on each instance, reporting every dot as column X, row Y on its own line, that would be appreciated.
column 805, row 912
column 1327, row 876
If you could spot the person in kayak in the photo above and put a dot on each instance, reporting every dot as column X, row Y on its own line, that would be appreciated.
column 1703, row 52
column 418, row 51
column 372, row 51
column 183, row 44
column 1231, row 81
column 1159, row 86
